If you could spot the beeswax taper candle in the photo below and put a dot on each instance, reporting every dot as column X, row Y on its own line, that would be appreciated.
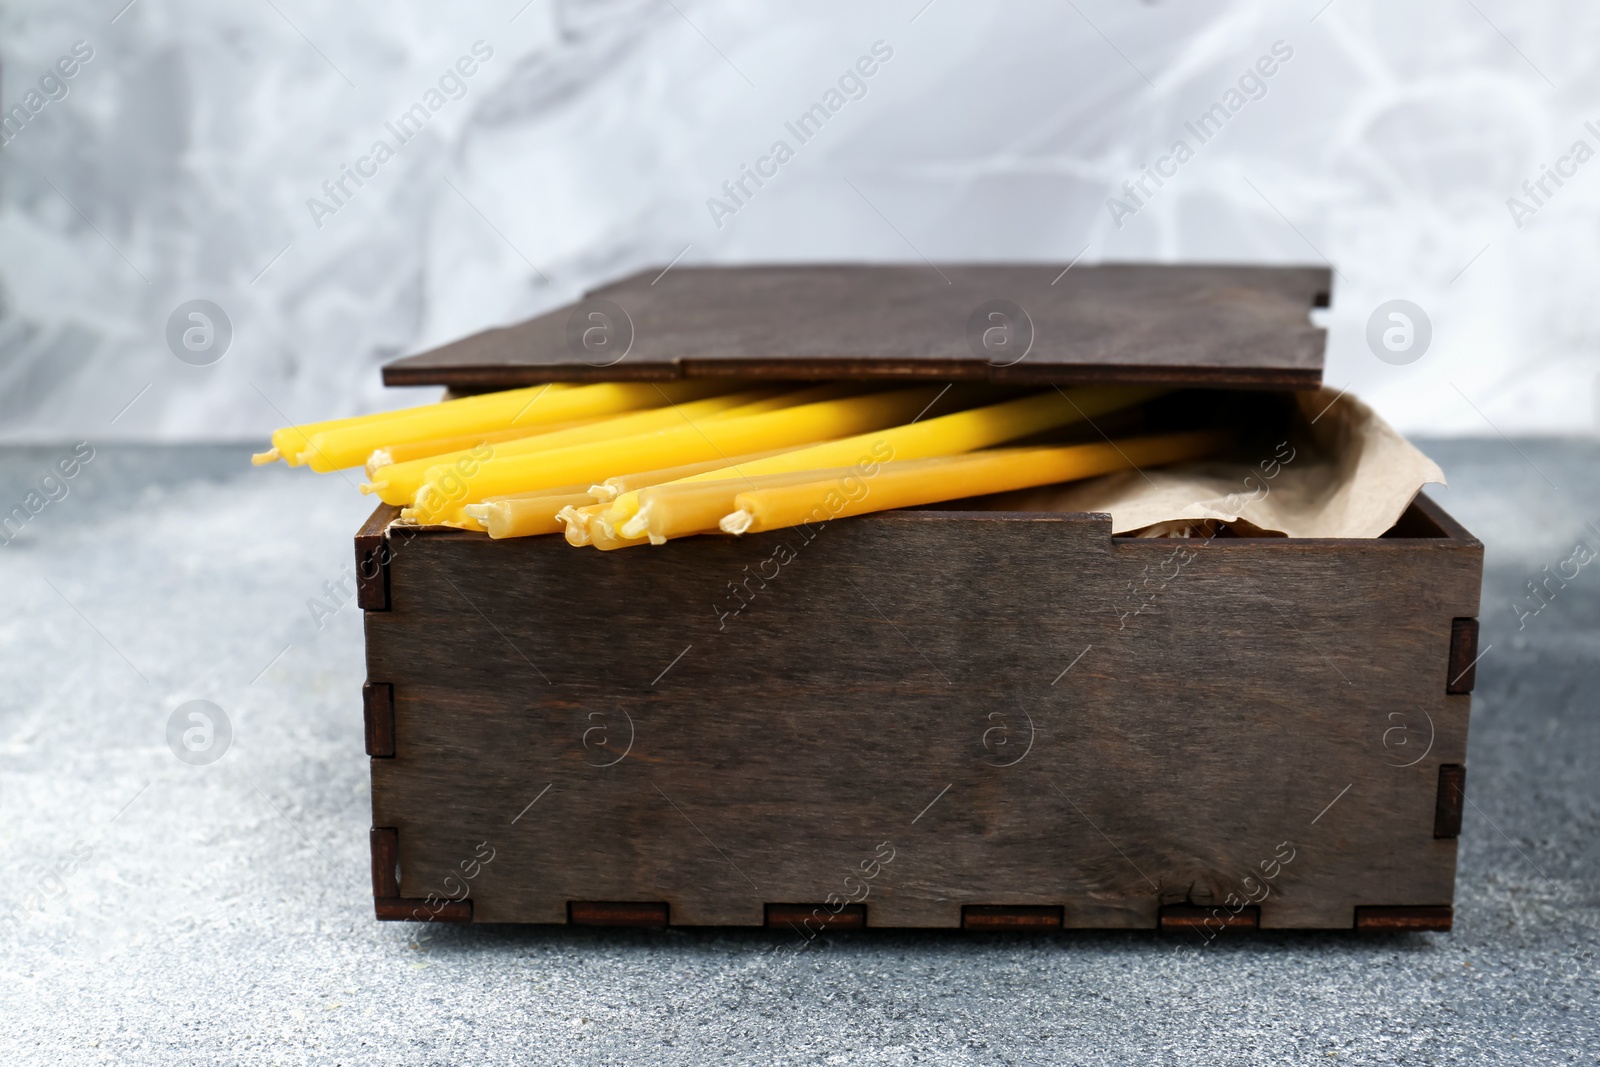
column 445, row 489
column 389, row 455
column 914, row 483
column 796, row 397
column 684, row 508
column 584, row 527
column 525, row 516
column 611, row 488
column 350, row 446
column 290, row 443
column 398, row 483
column 944, row 435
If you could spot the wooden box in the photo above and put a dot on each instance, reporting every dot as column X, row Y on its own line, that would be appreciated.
column 936, row 718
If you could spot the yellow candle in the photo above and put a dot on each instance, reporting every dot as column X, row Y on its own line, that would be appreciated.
column 461, row 519
column 575, row 489
column 289, row 443
column 611, row 488
column 349, row 446
column 446, row 489
column 527, row 516
column 913, row 483
column 399, row 482
column 678, row 510
column 389, row 455
column 602, row 538
column 577, row 524
column 944, row 435
column 584, row 527
column 794, row 398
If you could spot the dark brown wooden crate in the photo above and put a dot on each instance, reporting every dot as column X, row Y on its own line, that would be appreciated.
column 1236, row 326
column 924, row 712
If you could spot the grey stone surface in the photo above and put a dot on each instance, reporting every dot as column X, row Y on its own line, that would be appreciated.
column 165, row 913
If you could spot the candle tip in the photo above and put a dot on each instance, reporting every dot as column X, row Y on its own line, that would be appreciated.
column 495, row 519
column 261, row 459
column 577, row 529
column 638, row 525
column 737, row 522
column 422, row 502
column 603, row 494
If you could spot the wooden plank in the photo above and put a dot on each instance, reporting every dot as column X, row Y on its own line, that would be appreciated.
column 1452, row 795
column 372, row 559
column 1399, row 918
column 617, row 913
column 406, row 909
column 1439, row 522
column 1011, row 917
column 921, row 711
column 812, row 918
column 385, row 842
column 1208, row 921
column 377, row 713
column 1463, row 673
column 1246, row 327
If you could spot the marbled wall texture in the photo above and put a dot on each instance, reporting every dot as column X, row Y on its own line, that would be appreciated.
column 352, row 182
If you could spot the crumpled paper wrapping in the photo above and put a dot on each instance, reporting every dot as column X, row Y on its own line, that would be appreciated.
column 1341, row 471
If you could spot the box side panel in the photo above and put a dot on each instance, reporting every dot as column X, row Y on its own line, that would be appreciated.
column 920, row 714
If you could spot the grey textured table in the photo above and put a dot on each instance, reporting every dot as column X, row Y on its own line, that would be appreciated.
column 167, row 913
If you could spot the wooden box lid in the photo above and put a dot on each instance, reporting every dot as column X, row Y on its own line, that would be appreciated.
column 1220, row 326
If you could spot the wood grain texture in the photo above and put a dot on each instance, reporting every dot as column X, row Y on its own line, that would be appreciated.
column 1463, row 656
column 385, row 857
column 1452, row 796
column 1237, row 326
column 925, row 710
column 406, row 909
column 377, row 713
column 1003, row 917
column 617, row 913
column 810, row 918
column 1209, row 920
column 372, row 560
column 1435, row 917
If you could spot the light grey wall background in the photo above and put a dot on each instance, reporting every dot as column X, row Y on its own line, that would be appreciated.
column 177, row 164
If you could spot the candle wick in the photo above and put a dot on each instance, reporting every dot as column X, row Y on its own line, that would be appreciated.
column 639, row 524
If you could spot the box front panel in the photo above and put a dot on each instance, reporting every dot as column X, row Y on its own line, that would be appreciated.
column 921, row 712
